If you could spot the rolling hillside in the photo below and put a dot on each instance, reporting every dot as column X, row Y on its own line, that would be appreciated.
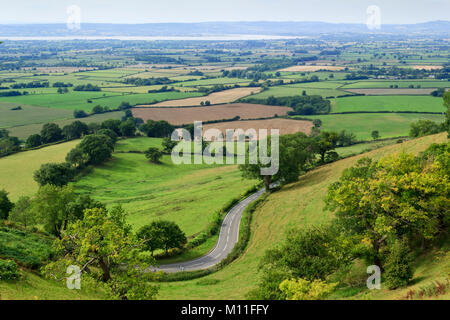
column 297, row 204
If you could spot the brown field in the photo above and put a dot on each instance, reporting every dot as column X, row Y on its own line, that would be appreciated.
column 225, row 96
column 178, row 116
column 312, row 68
column 427, row 67
column 285, row 126
column 390, row 92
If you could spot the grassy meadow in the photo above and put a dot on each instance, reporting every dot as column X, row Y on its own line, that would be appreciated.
column 187, row 194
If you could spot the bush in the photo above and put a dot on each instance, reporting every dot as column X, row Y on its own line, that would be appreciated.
column 33, row 141
column 8, row 270
column 398, row 269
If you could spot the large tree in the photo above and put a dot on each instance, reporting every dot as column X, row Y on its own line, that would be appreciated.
column 398, row 196
column 5, row 205
column 295, row 152
column 57, row 174
column 51, row 132
column 106, row 253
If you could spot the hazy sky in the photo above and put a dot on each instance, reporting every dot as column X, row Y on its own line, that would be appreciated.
column 147, row 11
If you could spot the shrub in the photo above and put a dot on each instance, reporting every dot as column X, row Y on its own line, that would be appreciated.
column 398, row 268
column 8, row 270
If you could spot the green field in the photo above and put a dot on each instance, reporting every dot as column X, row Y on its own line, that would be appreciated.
column 187, row 194
column 388, row 103
column 297, row 204
column 79, row 100
column 16, row 171
column 401, row 84
column 362, row 124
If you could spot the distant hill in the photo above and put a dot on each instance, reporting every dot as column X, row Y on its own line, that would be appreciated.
column 219, row 28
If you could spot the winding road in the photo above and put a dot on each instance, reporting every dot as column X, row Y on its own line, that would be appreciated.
column 228, row 237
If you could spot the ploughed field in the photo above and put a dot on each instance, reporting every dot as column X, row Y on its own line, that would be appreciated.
column 214, row 98
column 285, row 126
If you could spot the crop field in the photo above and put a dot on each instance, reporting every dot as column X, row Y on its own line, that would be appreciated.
column 388, row 103
column 392, row 92
column 25, row 131
column 87, row 100
column 285, row 126
column 299, row 204
column 188, row 194
column 362, row 124
column 312, row 68
column 29, row 115
column 178, row 116
column 225, row 96
column 364, row 84
column 20, row 182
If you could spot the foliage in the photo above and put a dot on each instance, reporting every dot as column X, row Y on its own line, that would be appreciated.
column 302, row 105
column 107, row 254
column 310, row 254
column 295, row 152
column 157, row 129
column 28, row 249
column 51, row 132
column 57, row 174
column 5, row 205
column 162, row 234
column 301, row 289
column 153, row 154
column 398, row 196
column 75, row 130
column 34, row 140
column 398, row 266
column 21, row 214
column 8, row 270
column 422, row 128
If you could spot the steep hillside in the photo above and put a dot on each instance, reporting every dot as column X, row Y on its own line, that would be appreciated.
column 297, row 204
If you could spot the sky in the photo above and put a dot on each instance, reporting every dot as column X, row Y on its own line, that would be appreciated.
column 151, row 11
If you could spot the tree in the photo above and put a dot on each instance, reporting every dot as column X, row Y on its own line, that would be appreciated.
column 127, row 128
column 110, row 133
column 51, row 132
column 22, row 214
column 157, row 129
column 97, row 148
column 79, row 114
column 33, row 141
column 57, row 174
column 295, row 152
column 165, row 235
column 154, row 155
column 113, row 125
column 310, row 254
column 317, row 123
column 77, row 158
column 398, row 196
column 375, row 134
column 9, row 145
column 54, row 207
column 301, row 289
column 5, row 205
column 98, row 243
column 422, row 128
column 4, row 133
column 325, row 142
column 153, row 235
column 168, row 145
column 75, row 130
column 447, row 104
column 97, row 109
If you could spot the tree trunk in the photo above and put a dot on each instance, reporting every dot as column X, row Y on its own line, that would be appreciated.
column 105, row 268
column 267, row 181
